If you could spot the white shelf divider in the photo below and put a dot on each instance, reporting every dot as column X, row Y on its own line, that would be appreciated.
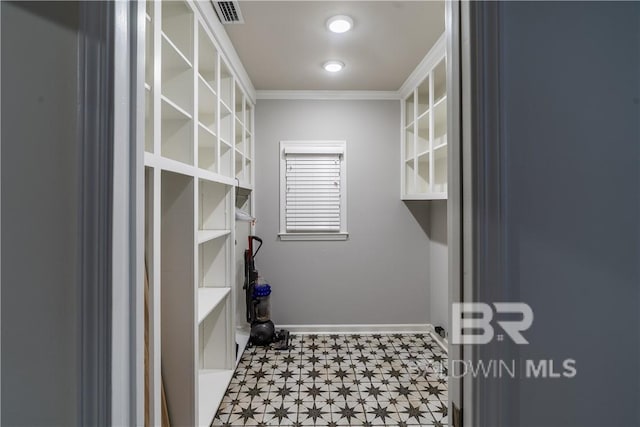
column 226, row 107
column 207, row 85
column 214, row 177
column 208, row 300
column 176, row 112
column 171, row 165
column 212, row 384
column 206, row 235
column 424, row 114
column 176, row 49
column 440, row 101
column 440, row 142
column 206, row 129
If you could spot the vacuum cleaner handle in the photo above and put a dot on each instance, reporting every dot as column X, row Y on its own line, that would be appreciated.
column 248, row 288
column 257, row 239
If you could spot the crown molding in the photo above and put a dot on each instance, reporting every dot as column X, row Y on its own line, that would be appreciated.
column 338, row 95
column 427, row 63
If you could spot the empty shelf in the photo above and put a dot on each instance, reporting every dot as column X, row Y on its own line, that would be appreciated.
column 212, row 384
column 208, row 299
column 206, row 235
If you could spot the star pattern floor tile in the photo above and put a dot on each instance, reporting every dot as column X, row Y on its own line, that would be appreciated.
column 340, row 380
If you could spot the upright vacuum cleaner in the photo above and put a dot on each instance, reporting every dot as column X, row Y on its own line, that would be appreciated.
column 257, row 293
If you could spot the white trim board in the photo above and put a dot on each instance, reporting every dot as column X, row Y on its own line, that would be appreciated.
column 362, row 329
column 368, row 330
column 442, row 342
column 329, row 95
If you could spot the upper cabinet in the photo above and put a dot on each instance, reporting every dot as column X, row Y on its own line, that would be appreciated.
column 197, row 114
column 424, row 130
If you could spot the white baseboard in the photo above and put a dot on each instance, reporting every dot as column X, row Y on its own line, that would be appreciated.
column 362, row 329
column 368, row 329
column 442, row 342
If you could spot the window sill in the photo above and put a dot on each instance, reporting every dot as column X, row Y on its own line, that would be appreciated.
column 313, row 236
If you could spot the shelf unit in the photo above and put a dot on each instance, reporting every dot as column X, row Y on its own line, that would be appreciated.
column 197, row 151
column 424, row 132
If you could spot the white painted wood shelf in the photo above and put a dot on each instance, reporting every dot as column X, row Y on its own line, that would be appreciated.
column 171, row 165
column 212, row 384
column 209, row 299
column 206, row 235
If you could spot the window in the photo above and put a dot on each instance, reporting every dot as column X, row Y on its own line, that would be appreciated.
column 313, row 204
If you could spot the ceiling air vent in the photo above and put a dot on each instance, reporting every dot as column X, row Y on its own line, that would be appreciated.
column 228, row 12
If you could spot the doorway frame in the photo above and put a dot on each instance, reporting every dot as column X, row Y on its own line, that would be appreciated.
column 477, row 202
column 111, row 231
column 127, row 393
column 460, row 390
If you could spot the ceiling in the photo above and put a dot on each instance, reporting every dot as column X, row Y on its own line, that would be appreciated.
column 283, row 44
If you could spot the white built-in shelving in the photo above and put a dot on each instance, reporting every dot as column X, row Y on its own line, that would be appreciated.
column 198, row 142
column 424, row 135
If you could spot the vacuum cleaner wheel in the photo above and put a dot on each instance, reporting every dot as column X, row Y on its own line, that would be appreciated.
column 262, row 333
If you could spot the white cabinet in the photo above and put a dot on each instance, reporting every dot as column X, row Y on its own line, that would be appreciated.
column 424, row 131
column 198, row 148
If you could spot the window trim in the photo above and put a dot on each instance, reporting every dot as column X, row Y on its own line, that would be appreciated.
column 323, row 235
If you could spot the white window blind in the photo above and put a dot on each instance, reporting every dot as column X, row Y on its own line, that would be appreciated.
column 313, row 192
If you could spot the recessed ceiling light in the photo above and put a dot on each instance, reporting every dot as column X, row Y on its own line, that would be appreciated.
column 340, row 24
column 333, row 66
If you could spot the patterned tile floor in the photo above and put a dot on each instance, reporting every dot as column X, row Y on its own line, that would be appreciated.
column 340, row 380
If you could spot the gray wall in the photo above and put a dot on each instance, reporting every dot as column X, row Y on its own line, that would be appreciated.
column 381, row 274
column 39, row 221
column 571, row 87
column 439, row 264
